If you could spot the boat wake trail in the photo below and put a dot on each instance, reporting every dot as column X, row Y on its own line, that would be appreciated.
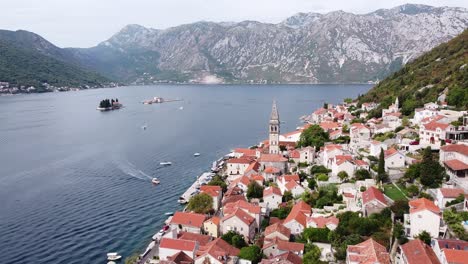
column 130, row 169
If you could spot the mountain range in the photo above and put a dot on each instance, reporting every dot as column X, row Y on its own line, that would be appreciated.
column 336, row 47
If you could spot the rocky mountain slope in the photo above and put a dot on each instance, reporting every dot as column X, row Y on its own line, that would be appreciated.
column 441, row 73
column 307, row 47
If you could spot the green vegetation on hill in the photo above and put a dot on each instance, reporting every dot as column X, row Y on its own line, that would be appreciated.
column 28, row 67
column 422, row 80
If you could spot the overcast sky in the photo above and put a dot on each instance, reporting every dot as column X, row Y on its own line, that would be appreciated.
column 85, row 23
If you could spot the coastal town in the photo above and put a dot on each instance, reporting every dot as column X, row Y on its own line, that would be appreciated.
column 7, row 88
column 344, row 187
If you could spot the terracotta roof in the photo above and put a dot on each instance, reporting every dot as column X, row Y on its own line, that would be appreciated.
column 294, row 154
column 201, row 239
column 277, row 227
column 188, row 219
column 456, row 165
column 451, row 192
column 291, row 177
column 331, row 147
column 434, row 125
column 298, row 213
column 372, row 194
column 320, row 111
column 291, row 185
column 423, row 204
column 284, row 245
column 215, row 220
column 358, row 126
column 212, row 191
column 271, row 170
column 177, row 244
column 417, row 252
column 272, row 158
column 292, row 133
column 241, row 160
column 322, row 222
column 271, row 190
column 217, row 248
column 329, row 125
column 340, row 159
column 360, row 163
column 233, row 198
column 459, row 148
column 241, row 215
column 254, row 166
column 368, row 252
column 456, row 256
column 246, row 151
column 180, row 258
column 390, row 152
column 257, row 177
column 285, row 258
column 246, row 206
column 348, row 195
column 452, row 244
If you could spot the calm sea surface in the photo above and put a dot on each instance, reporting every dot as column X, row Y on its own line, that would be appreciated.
column 75, row 182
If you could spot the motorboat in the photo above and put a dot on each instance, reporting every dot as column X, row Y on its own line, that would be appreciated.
column 113, row 256
column 196, row 154
column 169, row 213
column 181, row 108
column 155, row 181
column 182, row 200
column 165, row 163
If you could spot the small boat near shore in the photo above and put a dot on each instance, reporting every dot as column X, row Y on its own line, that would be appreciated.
column 113, row 256
column 169, row 213
column 165, row 163
column 155, row 181
column 196, row 154
column 182, row 200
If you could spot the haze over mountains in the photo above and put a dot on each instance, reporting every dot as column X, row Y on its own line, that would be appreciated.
column 308, row 47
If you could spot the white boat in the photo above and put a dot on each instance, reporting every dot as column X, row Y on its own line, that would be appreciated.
column 169, row 213
column 111, row 262
column 165, row 163
column 182, row 200
column 196, row 154
column 181, row 108
column 155, row 181
column 113, row 256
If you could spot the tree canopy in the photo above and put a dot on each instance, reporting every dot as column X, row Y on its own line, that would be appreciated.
column 234, row 239
column 313, row 136
column 252, row 253
column 254, row 190
column 201, row 203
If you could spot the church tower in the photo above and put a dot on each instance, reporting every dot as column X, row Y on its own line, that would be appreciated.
column 274, row 130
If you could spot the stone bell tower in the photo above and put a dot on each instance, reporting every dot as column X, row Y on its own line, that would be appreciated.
column 274, row 130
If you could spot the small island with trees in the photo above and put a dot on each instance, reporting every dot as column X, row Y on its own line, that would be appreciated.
column 107, row 105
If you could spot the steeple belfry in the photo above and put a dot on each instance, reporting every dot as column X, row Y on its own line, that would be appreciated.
column 274, row 130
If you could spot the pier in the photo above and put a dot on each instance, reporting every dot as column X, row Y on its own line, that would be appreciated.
column 193, row 190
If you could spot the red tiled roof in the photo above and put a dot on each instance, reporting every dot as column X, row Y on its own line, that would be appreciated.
column 217, row 248
column 246, row 206
column 329, row 125
column 331, row 147
column 177, row 244
column 257, row 177
column 284, row 245
column 241, row 215
column 434, row 125
column 277, row 227
column 361, row 163
column 417, row 252
column 271, row 190
column 373, row 194
column 423, row 204
column 298, row 213
column 246, row 151
column 285, row 258
column 201, row 239
column 212, row 191
column 188, row 219
column 215, row 220
column 456, row 165
column 178, row 258
column 241, row 160
column 322, row 222
column 272, row 158
column 233, row 198
column 291, row 185
column 452, row 244
column 459, row 148
column 271, row 170
column 390, row 152
column 254, row 166
column 368, row 252
column 348, row 195
column 456, row 256
column 451, row 192
column 294, row 154
column 320, row 111
column 340, row 159
column 291, row 177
